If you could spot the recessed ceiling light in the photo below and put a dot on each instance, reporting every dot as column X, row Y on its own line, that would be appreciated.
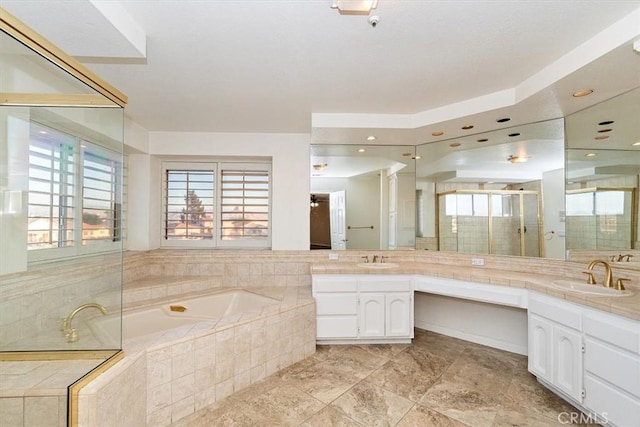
column 371, row 138
column 583, row 92
column 514, row 134
column 591, row 154
column 606, row 122
column 604, row 130
column 635, row 144
column 361, row 150
column 601, row 137
column 437, row 133
column 467, row 127
column 503, row 120
column 483, row 140
column 454, row 144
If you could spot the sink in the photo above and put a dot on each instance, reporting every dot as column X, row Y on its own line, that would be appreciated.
column 583, row 288
column 377, row 265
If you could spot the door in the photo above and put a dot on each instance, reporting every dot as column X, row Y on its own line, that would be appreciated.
column 398, row 315
column 567, row 372
column 371, row 315
column 540, row 348
column 337, row 219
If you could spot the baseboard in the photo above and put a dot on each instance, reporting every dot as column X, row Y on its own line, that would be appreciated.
column 478, row 339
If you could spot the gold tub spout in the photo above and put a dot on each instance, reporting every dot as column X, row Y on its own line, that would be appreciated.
column 65, row 324
column 608, row 275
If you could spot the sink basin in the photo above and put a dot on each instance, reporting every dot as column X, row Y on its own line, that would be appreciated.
column 583, row 288
column 377, row 265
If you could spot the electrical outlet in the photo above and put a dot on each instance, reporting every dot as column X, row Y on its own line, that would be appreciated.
column 477, row 261
column 334, row 257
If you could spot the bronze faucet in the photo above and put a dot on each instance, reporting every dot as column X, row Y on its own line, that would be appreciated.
column 608, row 275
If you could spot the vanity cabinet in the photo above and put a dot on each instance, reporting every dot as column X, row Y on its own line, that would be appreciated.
column 555, row 344
column 361, row 308
column 612, row 367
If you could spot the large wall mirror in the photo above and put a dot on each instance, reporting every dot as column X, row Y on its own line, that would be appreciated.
column 603, row 167
column 499, row 192
column 362, row 197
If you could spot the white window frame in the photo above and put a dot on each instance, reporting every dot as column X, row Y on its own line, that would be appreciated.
column 78, row 248
column 217, row 166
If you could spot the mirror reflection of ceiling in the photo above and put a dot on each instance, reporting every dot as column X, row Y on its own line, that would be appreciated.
column 345, row 161
column 484, row 158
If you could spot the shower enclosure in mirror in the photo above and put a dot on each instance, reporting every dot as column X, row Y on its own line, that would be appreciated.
column 500, row 192
column 603, row 169
column 61, row 205
column 503, row 222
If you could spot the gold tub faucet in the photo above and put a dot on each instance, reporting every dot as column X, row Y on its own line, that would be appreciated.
column 608, row 275
column 65, row 323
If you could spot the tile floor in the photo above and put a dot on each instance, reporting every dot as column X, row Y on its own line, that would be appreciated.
column 435, row 381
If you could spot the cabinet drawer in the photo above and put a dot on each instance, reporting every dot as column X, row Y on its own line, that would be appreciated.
column 384, row 285
column 334, row 284
column 612, row 329
column 337, row 327
column 613, row 406
column 613, row 365
column 559, row 311
column 336, row 304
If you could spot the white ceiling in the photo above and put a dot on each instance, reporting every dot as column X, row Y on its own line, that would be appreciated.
column 298, row 66
column 287, row 66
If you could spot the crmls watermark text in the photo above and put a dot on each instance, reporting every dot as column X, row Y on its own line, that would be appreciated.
column 581, row 418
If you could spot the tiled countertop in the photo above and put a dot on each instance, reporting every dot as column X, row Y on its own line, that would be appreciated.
column 627, row 306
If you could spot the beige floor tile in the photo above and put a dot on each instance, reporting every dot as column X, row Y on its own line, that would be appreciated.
column 330, row 416
column 421, row 416
column 356, row 359
column 372, row 405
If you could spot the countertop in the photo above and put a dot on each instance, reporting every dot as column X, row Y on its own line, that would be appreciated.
column 626, row 306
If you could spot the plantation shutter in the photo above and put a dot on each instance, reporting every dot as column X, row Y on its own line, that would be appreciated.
column 245, row 197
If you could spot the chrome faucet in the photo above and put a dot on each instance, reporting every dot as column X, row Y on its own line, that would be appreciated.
column 608, row 275
column 65, row 323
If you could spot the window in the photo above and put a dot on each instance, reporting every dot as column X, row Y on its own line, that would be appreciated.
column 216, row 204
column 74, row 195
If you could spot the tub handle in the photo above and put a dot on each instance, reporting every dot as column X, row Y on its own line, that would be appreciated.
column 178, row 308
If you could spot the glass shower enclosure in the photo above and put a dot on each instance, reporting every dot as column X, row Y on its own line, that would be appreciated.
column 502, row 222
column 61, row 227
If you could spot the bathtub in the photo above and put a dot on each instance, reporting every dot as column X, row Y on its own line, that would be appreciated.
column 179, row 312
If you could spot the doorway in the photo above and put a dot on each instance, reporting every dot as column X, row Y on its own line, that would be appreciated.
column 320, row 226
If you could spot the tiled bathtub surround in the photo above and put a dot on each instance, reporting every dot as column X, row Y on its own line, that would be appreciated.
column 177, row 372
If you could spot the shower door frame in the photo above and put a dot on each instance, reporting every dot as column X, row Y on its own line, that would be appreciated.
column 489, row 193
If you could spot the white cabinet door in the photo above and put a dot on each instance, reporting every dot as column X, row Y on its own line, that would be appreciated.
column 567, row 369
column 372, row 315
column 398, row 315
column 541, row 347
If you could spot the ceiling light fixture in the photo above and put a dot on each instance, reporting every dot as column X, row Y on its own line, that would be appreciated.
column 581, row 93
column 518, row 159
column 354, row 7
column 320, row 166
column 371, row 138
